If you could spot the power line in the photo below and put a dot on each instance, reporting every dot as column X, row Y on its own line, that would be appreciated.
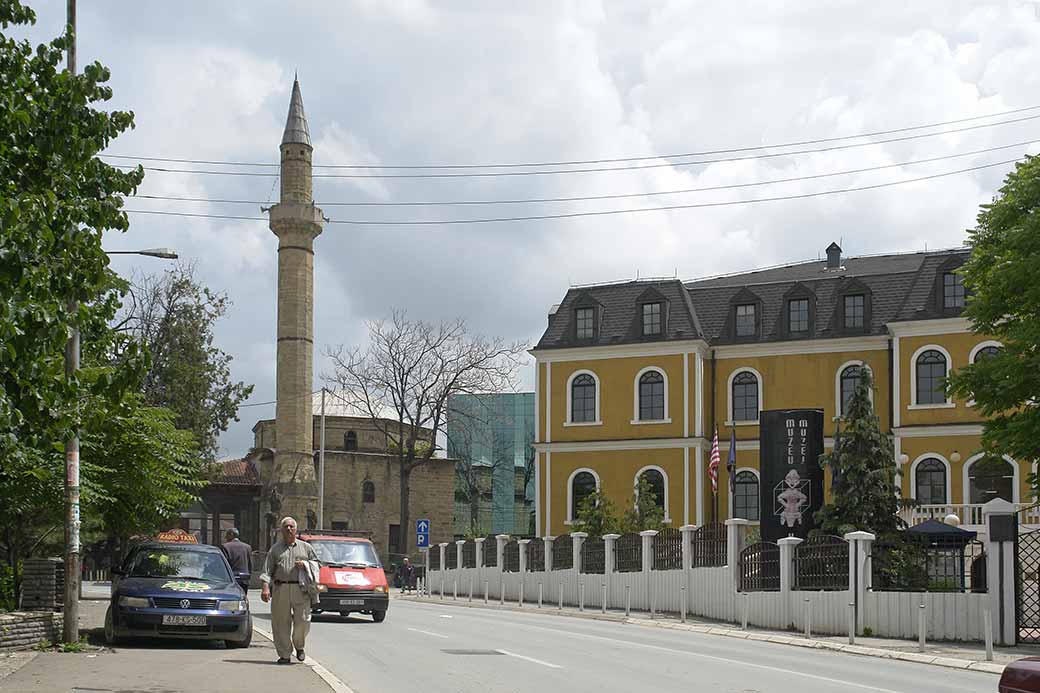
column 274, row 401
column 586, row 161
column 538, row 217
column 583, row 198
column 500, row 174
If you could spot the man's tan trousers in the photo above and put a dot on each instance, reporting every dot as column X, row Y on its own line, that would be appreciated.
column 290, row 618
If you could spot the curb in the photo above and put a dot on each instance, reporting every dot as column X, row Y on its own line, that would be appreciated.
column 780, row 639
column 334, row 682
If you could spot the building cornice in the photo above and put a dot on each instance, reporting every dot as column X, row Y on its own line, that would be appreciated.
column 938, row 431
column 934, row 326
column 814, row 346
column 623, row 444
column 615, row 351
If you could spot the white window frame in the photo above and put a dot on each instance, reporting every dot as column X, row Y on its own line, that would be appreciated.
column 664, row 474
column 949, row 475
column 949, row 403
column 599, row 390
column 837, row 383
column 729, row 396
column 758, row 476
column 1016, row 482
column 635, row 398
column 982, row 345
column 570, row 491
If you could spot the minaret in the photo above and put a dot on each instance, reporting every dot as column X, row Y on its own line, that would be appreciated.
column 296, row 222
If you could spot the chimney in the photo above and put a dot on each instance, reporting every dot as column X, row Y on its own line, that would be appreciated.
column 833, row 256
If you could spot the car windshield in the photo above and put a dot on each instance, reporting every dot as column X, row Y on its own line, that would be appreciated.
column 345, row 553
column 179, row 563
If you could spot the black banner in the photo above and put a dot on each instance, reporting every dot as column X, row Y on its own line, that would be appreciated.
column 791, row 489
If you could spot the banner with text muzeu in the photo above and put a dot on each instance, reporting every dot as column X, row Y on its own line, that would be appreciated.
column 791, row 489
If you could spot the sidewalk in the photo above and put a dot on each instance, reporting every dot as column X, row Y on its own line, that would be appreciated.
column 955, row 655
column 155, row 665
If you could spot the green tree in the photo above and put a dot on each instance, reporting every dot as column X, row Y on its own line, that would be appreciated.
column 863, row 472
column 1004, row 302
column 173, row 316
column 645, row 513
column 597, row 515
column 56, row 200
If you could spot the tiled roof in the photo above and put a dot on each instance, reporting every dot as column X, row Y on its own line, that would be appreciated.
column 901, row 286
column 618, row 315
column 235, row 472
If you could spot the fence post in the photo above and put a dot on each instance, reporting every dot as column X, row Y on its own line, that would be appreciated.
column 458, row 554
column 852, row 623
column 808, row 618
column 478, row 556
column 539, row 594
column 523, row 568
column 443, row 547
column 647, row 536
column 500, row 554
column 859, row 572
column 628, row 600
column 682, row 603
column 734, row 545
column 577, row 539
column 609, row 563
column 548, row 551
column 787, row 574
column 1000, row 520
column 987, row 629
column 426, row 574
column 922, row 626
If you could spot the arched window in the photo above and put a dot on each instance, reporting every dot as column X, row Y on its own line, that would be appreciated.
column 656, row 481
column 350, row 441
column 989, row 478
column 850, row 378
column 651, row 396
column 582, row 486
column 986, row 352
column 931, row 374
column 368, row 492
column 583, row 399
column 930, row 482
column 745, row 495
column 745, row 397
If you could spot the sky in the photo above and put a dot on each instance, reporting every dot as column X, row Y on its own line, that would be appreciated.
column 411, row 82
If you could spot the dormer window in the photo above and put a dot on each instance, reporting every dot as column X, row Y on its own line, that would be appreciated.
column 953, row 290
column 651, row 318
column 585, row 323
column 855, row 311
column 745, row 320
column 798, row 315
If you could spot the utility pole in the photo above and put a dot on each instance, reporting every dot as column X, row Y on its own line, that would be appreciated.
column 70, row 628
column 321, row 466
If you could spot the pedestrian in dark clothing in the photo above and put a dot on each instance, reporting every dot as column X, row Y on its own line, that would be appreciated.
column 238, row 552
column 407, row 574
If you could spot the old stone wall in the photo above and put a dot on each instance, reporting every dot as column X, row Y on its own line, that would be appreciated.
column 43, row 584
column 23, row 630
column 431, row 496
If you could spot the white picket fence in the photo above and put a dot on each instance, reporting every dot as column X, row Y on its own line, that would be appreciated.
column 713, row 593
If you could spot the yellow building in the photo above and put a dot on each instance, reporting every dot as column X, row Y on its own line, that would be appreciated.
column 634, row 377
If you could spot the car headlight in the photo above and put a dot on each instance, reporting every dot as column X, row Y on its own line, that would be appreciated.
column 381, row 588
column 235, row 605
column 135, row 602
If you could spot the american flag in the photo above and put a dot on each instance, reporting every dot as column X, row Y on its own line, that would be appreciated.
column 713, row 465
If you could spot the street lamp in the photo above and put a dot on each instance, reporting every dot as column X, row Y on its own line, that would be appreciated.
column 164, row 253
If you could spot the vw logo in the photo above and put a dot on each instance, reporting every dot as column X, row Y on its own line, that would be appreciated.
column 185, row 603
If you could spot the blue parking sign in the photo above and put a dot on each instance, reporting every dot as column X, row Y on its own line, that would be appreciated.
column 422, row 533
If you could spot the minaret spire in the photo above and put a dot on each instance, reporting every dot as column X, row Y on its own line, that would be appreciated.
column 296, row 130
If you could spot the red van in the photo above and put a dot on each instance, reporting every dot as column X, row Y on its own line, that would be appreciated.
column 351, row 574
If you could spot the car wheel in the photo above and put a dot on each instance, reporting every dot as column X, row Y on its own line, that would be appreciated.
column 378, row 616
column 344, row 614
column 110, row 629
column 248, row 639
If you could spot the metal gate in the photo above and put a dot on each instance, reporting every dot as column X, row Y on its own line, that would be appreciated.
column 1027, row 578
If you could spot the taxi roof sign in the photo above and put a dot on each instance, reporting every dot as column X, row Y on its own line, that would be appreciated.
column 178, row 536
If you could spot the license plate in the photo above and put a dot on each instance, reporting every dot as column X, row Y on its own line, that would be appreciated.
column 351, row 602
column 170, row 620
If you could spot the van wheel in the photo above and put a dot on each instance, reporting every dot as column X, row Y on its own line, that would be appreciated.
column 378, row 616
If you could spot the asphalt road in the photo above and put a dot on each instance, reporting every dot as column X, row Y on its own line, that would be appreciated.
column 433, row 648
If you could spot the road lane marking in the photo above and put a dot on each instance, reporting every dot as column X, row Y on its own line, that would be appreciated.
column 337, row 684
column 426, row 632
column 530, row 659
column 445, row 616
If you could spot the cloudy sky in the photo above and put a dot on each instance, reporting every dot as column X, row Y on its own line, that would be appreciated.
column 408, row 82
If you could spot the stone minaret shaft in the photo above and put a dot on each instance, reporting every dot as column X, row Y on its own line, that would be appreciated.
column 296, row 221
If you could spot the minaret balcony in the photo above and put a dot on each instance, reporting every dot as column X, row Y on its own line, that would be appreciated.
column 296, row 212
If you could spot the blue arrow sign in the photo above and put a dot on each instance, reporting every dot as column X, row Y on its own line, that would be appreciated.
column 422, row 526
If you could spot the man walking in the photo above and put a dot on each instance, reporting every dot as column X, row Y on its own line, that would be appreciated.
column 238, row 552
column 281, row 584
column 407, row 575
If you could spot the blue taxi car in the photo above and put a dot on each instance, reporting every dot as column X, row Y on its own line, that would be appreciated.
column 178, row 590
